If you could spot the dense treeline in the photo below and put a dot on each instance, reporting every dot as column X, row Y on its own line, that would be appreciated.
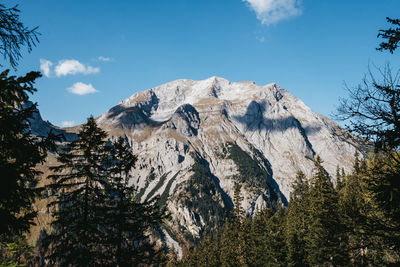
column 355, row 223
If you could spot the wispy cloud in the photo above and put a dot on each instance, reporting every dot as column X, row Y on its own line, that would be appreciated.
column 261, row 39
column 101, row 58
column 273, row 11
column 67, row 123
column 72, row 67
column 82, row 89
column 45, row 67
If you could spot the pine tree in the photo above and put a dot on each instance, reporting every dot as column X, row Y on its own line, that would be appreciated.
column 352, row 212
column 14, row 35
column 339, row 178
column 229, row 245
column 20, row 152
column 324, row 234
column 273, row 240
column 128, row 220
column 381, row 194
column 356, row 165
column 78, row 206
column 296, row 222
column 237, row 212
column 238, row 226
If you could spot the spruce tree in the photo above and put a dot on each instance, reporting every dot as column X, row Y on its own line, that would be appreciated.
column 20, row 152
column 380, row 187
column 324, row 237
column 129, row 220
column 237, row 212
column 273, row 240
column 229, row 245
column 79, row 197
column 352, row 211
column 14, row 35
column 297, row 222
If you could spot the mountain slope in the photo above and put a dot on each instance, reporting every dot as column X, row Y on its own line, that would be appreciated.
column 196, row 139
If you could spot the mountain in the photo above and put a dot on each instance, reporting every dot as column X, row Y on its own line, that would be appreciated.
column 196, row 139
column 39, row 127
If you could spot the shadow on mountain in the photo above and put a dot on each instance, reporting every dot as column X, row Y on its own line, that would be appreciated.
column 254, row 119
column 132, row 117
column 137, row 115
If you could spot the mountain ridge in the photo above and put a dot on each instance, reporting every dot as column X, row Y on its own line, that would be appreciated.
column 196, row 139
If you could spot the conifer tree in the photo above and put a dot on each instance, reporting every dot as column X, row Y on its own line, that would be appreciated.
column 229, row 245
column 392, row 36
column 78, row 207
column 297, row 222
column 14, row 35
column 20, row 152
column 356, row 165
column 273, row 240
column 324, row 234
column 237, row 212
column 339, row 178
column 380, row 187
column 352, row 211
column 128, row 220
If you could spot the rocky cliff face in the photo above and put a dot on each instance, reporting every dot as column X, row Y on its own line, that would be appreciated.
column 196, row 139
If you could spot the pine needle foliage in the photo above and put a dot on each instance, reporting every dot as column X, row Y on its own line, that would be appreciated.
column 20, row 152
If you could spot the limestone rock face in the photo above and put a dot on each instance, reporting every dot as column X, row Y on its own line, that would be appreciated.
column 41, row 128
column 196, row 139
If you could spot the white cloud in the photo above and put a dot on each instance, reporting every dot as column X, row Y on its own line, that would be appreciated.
column 82, row 89
column 272, row 11
column 45, row 66
column 67, row 123
column 72, row 67
column 101, row 58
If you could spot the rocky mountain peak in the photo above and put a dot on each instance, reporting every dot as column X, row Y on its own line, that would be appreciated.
column 196, row 139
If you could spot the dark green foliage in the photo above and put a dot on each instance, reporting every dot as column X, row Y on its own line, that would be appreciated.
column 252, row 173
column 203, row 197
column 98, row 218
column 164, row 196
column 355, row 226
column 14, row 253
column 158, row 186
column 237, row 212
column 297, row 222
column 250, row 170
column 392, row 36
column 324, row 229
column 352, row 209
column 127, row 220
column 257, row 241
column 152, row 175
column 14, row 35
column 20, row 152
column 142, row 191
column 79, row 199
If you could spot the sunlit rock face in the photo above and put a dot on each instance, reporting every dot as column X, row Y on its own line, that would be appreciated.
column 196, row 139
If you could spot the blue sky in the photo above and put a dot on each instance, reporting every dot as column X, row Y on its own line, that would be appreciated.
column 112, row 49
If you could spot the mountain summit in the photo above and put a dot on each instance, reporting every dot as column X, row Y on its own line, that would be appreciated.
column 197, row 139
